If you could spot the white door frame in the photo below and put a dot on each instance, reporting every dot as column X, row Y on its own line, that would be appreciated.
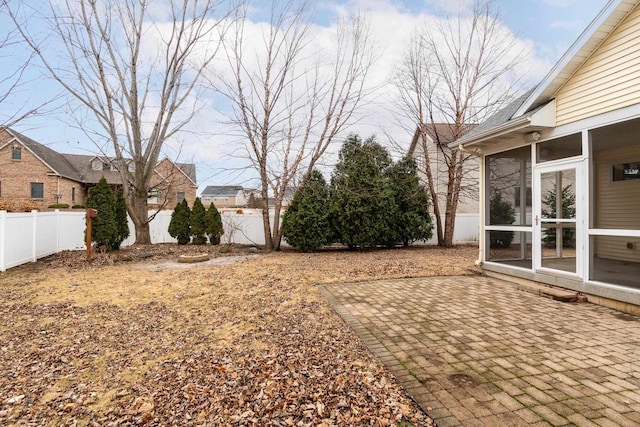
column 556, row 166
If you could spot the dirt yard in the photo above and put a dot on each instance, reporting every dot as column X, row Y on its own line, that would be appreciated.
column 243, row 339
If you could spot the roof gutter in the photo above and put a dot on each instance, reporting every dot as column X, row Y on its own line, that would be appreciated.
column 510, row 126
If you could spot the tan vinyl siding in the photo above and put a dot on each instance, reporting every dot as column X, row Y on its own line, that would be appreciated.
column 617, row 204
column 608, row 80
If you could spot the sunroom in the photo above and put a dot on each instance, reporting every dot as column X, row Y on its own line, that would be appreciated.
column 560, row 168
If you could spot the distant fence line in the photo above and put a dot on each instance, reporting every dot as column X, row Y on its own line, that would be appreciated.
column 28, row 236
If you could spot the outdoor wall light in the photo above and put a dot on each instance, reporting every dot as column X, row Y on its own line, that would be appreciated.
column 532, row 136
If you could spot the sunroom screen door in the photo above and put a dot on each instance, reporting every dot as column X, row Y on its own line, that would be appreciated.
column 557, row 220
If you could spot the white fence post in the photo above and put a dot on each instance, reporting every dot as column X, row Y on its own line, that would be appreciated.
column 57, row 211
column 34, row 216
column 3, row 239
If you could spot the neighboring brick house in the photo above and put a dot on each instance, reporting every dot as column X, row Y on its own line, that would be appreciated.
column 34, row 173
column 224, row 196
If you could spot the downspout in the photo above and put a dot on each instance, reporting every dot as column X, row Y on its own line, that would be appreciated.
column 481, row 190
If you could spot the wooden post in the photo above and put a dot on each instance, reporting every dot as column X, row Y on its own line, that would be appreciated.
column 91, row 213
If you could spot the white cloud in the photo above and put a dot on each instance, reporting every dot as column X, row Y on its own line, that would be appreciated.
column 391, row 26
column 214, row 148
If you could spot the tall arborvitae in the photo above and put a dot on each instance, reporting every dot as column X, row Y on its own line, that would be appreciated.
column 213, row 225
column 180, row 227
column 305, row 224
column 122, row 221
column 361, row 200
column 104, row 227
column 198, row 228
column 411, row 218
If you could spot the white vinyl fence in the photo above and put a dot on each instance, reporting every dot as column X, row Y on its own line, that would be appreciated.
column 25, row 237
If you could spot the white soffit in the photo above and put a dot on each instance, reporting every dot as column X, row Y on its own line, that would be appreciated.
column 545, row 117
column 598, row 30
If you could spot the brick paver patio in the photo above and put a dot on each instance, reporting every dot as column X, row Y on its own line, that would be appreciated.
column 476, row 351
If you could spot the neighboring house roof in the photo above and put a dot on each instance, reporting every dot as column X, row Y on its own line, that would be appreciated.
column 189, row 169
column 78, row 167
column 533, row 110
column 82, row 163
column 444, row 130
column 57, row 162
column 221, row 190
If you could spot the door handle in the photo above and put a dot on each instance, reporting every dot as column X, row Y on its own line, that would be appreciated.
column 537, row 219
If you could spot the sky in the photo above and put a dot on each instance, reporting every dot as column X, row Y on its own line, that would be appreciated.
column 546, row 28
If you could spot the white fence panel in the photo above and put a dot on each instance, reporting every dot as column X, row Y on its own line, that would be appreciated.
column 46, row 234
column 158, row 229
column 24, row 237
column 244, row 229
column 71, row 236
column 18, row 235
column 467, row 229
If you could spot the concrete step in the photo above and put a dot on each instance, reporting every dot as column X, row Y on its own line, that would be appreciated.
column 558, row 294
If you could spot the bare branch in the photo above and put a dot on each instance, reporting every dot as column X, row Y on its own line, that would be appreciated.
column 455, row 73
column 133, row 73
column 288, row 100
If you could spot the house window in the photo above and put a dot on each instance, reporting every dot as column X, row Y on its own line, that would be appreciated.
column 153, row 198
column 559, row 148
column 180, row 196
column 96, row 164
column 73, row 194
column 131, row 166
column 37, row 190
column 16, row 153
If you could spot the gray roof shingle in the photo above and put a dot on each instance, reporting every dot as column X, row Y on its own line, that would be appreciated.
column 500, row 117
column 221, row 190
column 78, row 166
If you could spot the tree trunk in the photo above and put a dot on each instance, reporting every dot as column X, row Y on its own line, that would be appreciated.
column 449, row 227
column 266, row 223
column 277, row 233
column 143, row 237
column 431, row 184
column 453, row 196
column 139, row 213
column 268, row 241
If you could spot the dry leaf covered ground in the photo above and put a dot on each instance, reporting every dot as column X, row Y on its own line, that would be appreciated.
column 130, row 338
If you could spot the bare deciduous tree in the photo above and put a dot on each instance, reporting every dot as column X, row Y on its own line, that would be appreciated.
column 289, row 102
column 13, row 82
column 136, row 74
column 457, row 71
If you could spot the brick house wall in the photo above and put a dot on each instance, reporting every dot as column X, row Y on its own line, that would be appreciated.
column 170, row 181
column 17, row 176
column 65, row 178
